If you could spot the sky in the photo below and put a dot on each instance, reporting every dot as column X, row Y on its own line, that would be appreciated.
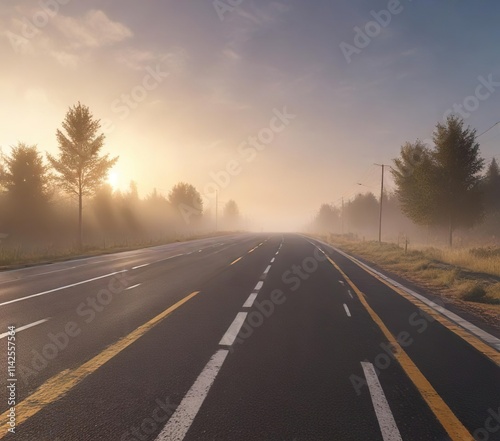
column 279, row 105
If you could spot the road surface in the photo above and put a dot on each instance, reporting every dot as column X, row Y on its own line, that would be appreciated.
column 244, row 337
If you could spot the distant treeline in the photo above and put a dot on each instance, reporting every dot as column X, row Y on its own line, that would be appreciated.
column 440, row 190
column 64, row 202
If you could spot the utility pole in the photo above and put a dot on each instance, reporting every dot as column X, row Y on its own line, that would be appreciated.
column 381, row 202
column 216, row 207
column 342, row 216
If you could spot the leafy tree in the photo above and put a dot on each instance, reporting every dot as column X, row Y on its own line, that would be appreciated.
column 187, row 201
column 492, row 186
column 363, row 212
column 327, row 218
column 80, row 168
column 26, row 180
column 2, row 170
column 442, row 186
column 130, row 208
column 231, row 214
column 415, row 174
column 103, row 205
column 231, row 210
column 133, row 192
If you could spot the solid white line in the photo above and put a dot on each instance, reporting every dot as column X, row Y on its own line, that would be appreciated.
column 316, row 246
column 233, row 330
column 491, row 340
column 132, row 287
column 258, row 286
column 171, row 257
column 347, row 310
column 250, row 300
column 388, row 427
column 273, row 259
column 350, row 293
column 61, row 288
column 180, row 422
column 36, row 275
column 140, row 266
column 22, row 328
column 267, row 269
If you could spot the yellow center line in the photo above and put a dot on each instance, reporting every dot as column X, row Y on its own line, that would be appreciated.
column 474, row 341
column 235, row 261
column 60, row 384
column 443, row 413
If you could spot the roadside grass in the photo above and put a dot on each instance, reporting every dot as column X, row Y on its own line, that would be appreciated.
column 16, row 256
column 469, row 274
column 483, row 260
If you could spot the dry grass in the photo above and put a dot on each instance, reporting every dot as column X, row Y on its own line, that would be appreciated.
column 482, row 260
column 471, row 274
column 14, row 256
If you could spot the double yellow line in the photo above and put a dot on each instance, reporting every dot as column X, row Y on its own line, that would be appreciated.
column 443, row 413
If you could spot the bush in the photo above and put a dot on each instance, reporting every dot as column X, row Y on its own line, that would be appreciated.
column 476, row 294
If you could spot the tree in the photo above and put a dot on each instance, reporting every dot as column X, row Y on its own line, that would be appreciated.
column 130, row 208
column 133, row 192
column 231, row 214
column 415, row 174
column 187, row 200
column 442, row 186
column 363, row 212
column 492, row 186
column 80, row 168
column 327, row 219
column 26, row 180
column 104, row 209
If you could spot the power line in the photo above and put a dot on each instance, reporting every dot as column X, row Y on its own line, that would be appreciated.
column 486, row 131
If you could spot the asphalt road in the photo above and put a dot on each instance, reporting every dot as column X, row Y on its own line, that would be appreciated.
column 244, row 337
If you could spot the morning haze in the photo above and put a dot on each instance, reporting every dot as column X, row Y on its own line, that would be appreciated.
column 185, row 90
column 249, row 220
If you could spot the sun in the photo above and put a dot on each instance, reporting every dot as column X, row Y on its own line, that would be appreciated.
column 114, row 179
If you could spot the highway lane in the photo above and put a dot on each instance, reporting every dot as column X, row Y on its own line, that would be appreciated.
column 272, row 344
column 102, row 323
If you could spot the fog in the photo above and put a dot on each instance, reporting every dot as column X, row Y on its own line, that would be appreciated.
column 258, row 104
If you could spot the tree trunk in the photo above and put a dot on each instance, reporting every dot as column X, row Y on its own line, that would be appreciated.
column 450, row 233
column 80, row 229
